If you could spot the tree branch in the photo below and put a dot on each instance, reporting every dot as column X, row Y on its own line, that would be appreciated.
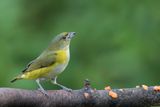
column 86, row 97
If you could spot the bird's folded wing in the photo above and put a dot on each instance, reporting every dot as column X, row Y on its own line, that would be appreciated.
column 41, row 62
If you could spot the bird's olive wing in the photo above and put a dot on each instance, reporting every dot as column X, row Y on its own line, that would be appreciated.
column 24, row 70
column 41, row 62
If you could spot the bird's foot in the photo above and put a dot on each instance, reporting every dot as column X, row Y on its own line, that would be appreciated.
column 43, row 92
column 67, row 89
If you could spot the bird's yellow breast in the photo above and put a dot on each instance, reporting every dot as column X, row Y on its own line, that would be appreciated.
column 61, row 56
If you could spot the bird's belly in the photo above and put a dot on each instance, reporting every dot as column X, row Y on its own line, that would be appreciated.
column 59, row 68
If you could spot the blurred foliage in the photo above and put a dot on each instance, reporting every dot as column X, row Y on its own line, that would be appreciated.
column 117, row 42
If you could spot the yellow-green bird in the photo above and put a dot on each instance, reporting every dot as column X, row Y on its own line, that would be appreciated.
column 51, row 62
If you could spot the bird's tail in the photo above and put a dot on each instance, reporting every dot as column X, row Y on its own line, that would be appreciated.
column 16, row 78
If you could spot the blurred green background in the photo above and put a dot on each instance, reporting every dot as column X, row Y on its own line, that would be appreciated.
column 117, row 41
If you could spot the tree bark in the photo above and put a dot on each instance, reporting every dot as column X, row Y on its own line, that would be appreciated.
column 86, row 97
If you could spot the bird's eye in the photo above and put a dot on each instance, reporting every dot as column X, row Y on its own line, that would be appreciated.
column 64, row 37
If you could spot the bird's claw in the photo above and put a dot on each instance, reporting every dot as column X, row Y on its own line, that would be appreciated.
column 67, row 89
column 43, row 92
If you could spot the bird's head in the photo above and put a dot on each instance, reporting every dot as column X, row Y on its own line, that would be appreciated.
column 62, row 40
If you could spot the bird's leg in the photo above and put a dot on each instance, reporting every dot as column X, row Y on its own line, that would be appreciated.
column 54, row 81
column 41, row 88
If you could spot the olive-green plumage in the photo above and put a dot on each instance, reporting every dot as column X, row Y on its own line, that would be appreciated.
column 51, row 62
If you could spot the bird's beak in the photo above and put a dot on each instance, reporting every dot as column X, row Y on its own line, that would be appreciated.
column 72, row 34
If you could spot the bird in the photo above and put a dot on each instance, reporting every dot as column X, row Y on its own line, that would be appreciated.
column 50, row 63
